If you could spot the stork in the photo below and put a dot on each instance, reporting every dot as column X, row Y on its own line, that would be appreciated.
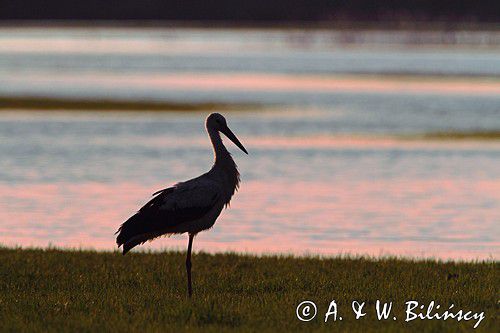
column 191, row 206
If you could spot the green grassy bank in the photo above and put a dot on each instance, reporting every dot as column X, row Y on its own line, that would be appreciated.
column 87, row 291
column 66, row 104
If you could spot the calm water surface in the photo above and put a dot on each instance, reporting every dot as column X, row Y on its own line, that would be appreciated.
column 329, row 170
column 70, row 181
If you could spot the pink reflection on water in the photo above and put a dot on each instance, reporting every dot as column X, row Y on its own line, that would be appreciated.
column 268, row 83
column 439, row 218
column 365, row 142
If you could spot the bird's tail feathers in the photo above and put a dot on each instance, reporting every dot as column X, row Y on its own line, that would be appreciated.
column 127, row 232
column 131, row 233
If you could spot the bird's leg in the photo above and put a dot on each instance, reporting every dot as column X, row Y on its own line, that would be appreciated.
column 188, row 264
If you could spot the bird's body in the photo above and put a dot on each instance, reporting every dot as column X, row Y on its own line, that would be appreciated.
column 191, row 206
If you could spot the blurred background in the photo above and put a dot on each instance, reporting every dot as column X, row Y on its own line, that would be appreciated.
column 373, row 127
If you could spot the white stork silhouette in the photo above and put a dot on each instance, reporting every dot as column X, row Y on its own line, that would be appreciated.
column 191, row 206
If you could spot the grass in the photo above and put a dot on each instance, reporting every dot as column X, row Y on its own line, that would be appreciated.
column 455, row 135
column 66, row 291
column 46, row 103
column 464, row 135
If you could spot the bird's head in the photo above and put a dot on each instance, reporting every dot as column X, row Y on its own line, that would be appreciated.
column 216, row 121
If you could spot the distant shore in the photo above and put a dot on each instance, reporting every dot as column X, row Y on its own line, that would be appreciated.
column 462, row 135
column 43, row 104
column 445, row 26
column 75, row 104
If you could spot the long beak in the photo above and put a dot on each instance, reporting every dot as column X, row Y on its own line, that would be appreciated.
column 230, row 135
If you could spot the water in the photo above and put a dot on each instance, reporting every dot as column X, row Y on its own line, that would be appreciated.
column 329, row 170
column 169, row 64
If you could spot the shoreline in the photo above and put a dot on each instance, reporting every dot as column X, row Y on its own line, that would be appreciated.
column 347, row 25
column 174, row 251
column 37, row 104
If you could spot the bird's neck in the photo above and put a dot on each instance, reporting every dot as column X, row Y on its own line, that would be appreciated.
column 224, row 162
column 220, row 152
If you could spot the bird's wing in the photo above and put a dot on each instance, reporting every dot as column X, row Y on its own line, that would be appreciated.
column 170, row 207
